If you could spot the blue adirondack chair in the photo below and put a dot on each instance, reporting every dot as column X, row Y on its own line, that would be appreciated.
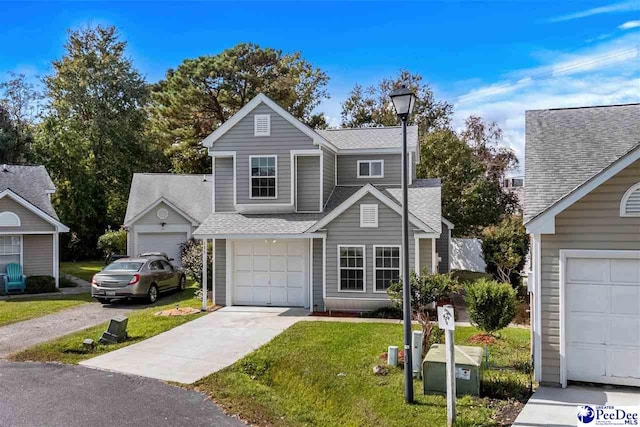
column 14, row 279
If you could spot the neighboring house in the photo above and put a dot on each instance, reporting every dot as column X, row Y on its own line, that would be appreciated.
column 515, row 186
column 301, row 217
column 29, row 226
column 582, row 168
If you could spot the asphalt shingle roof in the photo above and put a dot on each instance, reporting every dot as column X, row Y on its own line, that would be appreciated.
column 190, row 193
column 566, row 147
column 364, row 138
column 424, row 201
column 31, row 183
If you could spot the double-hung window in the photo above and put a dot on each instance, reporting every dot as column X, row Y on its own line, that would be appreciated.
column 10, row 249
column 386, row 267
column 351, row 268
column 263, row 177
column 370, row 168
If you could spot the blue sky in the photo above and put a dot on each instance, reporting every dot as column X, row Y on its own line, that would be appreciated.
column 496, row 59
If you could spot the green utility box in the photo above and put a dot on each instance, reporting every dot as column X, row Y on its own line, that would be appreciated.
column 468, row 370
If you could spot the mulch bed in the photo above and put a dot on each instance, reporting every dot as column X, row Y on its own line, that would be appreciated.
column 185, row 311
column 483, row 339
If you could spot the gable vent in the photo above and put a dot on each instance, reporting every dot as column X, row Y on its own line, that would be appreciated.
column 369, row 216
column 630, row 205
column 262, row 125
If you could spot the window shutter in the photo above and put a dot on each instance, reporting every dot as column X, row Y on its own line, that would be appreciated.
column 262, row 125
column 369, row 216
column 632, row 202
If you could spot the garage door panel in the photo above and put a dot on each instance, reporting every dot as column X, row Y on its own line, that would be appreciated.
column 295, row 279
column 260, row 293
column 279, row 278
column 161, row 242
column 244, row 278
column 296, row 248
column 587, row 363
column 243, row 294
column 244, row 263
column 587, row 329
column 261, row 263
column 278, row 263
column 625, row 331
column 586, row 298
column 243, row 248
column 625, row 271
column 261, row 279
column 625, row 300
column 279, row 248
column 619, row 365
column 587, row 270
column 279, row 296
column 295, row 263
column 294, row 295
column 261, row 248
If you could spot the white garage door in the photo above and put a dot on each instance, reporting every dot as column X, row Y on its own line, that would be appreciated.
column 270, row 273
column 602, row 298
column 162, row 242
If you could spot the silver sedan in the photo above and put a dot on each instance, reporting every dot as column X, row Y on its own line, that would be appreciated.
column 142, row 277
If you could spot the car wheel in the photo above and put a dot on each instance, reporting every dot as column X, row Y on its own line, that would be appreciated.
column 182, row 284
column 152, row 294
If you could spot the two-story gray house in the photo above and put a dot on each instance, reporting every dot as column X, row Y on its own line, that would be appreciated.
column 297, row 217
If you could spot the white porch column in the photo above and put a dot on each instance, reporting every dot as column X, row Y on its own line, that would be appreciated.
column 434, row 256
column 205, row 261
column 213, row 270
column 56, row 258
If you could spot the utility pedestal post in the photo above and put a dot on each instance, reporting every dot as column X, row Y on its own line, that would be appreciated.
column 446, row 322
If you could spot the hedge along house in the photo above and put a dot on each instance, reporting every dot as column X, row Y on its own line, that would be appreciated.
column 29, row 226
column 311, row 218
column 582, row 208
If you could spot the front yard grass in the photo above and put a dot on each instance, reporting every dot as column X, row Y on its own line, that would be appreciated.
column 82, row 269
column 142, row 324
column 19, row 309
column 320, row 373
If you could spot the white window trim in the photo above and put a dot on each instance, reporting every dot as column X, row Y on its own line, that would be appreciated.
column 362, row 208
column 21, row 253
column 364, row 269
column 255, row 125
column 376, row 268
column 251, row 177
column 381, row 161
column 625, row 200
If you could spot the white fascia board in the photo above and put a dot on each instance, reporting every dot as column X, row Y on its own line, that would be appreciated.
column 262, row 98
column 389, row 150
column 260, row 236
column 60, row 227
column 367, row 189
column 544, row 222
column 156, row 203
column 448, row 223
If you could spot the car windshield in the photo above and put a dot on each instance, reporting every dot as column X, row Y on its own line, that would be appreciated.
column 123, row 266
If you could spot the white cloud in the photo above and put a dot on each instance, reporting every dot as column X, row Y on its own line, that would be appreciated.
column 626, row 6
column 606, row 74
column 629, row 25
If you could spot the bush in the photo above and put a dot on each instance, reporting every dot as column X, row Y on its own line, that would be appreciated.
column 505, row 247
column 191, row 257
column 63, row 282
column 113, row 242
column 393, row 312
column 40, row 284
column 491, row 305
column 426, row 288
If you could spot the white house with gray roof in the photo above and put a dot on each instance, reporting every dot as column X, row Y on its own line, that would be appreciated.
column 29, row 226
column 297, row 217
column 582, row 208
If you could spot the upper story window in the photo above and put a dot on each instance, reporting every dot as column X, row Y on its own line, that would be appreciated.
column 263, row 177
column 370, row 168
column 630, row 205
column 262, row 125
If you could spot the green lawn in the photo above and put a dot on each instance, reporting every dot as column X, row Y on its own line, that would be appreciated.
column 82, row 269
column 320, row 373
column 142, row 324
column 16, row 310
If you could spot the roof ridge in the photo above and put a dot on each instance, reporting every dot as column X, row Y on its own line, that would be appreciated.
column 365, row 128
column 585, row 107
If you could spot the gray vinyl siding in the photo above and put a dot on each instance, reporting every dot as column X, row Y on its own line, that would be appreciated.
column 442, row 249
column 220, row 278
column 308, row 184
column 28, row 220
column 224, row 184
column 329, row 174
column 37, row 254
column 425, row 255
column 284, row 138
column 348, row 169
column 318, row 301
column 151, row 217
column 593, row 222
column 345, row 230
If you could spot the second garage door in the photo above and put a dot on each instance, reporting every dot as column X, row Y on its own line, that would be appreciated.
column 162, row 242
column 272, row 273
column 602, row 298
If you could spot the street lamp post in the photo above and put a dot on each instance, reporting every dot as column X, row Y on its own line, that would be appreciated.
column 403, row 101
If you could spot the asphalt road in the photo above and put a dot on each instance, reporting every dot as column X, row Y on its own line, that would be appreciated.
column 41, row 394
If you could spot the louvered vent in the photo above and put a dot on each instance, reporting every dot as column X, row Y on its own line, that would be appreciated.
column 631, row 202
column 369, row 216
column 262, row 125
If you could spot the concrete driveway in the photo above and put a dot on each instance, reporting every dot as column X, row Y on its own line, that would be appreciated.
column 42, row 394
column 200, row 347
column 556, row 407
